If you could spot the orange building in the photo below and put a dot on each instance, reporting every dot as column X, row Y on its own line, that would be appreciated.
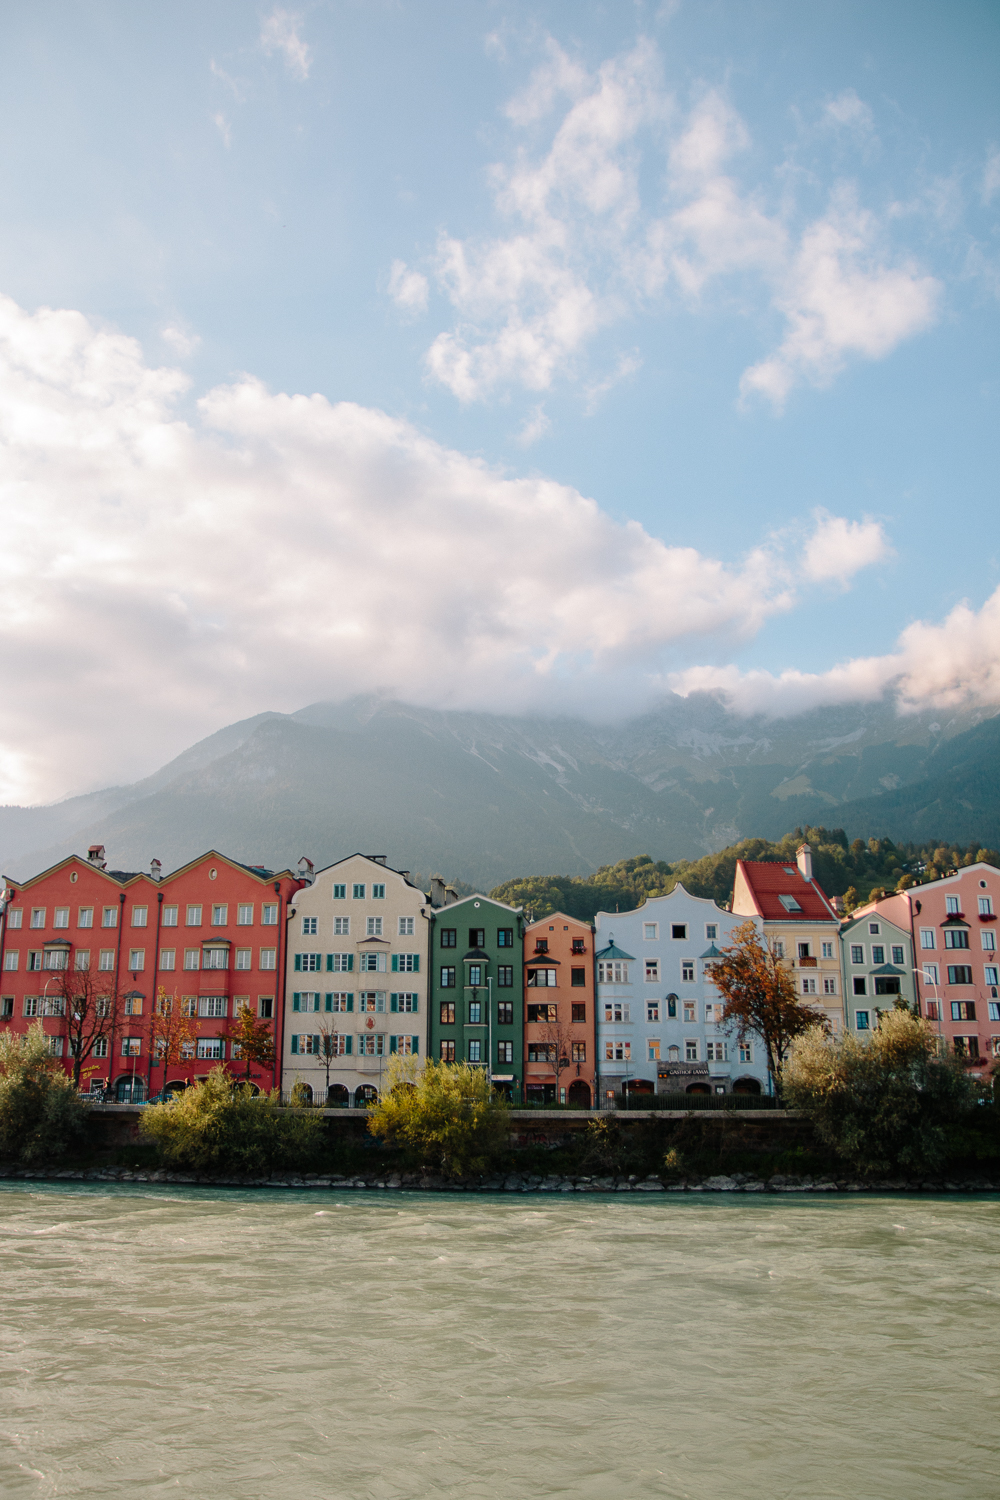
column 560, row 1046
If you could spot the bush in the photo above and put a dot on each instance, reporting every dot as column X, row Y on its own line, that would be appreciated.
column 445, row 1115
column 222, row 1126
column 40, row 1110
column 887, row 1103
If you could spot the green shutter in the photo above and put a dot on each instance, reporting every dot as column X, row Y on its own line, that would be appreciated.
column 329, row 963
column 296, row 998
column 416, row 963
column 350, row 1006
column 315, row 1046
column 295, row 1041
column 329, row 1003
column 350, row 963
column 416, row 1045
column 395, row 963
column 298, row 963
column 392, row 1044
column 349, row 1040
column 394, row 1003
column 416, row 1004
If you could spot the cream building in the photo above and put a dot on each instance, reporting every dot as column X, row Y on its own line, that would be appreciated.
column 356, row 985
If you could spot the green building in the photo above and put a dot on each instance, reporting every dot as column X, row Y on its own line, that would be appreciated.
column 476, row 988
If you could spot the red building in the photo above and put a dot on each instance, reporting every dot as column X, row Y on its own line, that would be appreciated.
column 138, row 978
column 560, row 1014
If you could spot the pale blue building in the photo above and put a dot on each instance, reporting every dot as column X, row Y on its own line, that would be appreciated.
column 658, row 1014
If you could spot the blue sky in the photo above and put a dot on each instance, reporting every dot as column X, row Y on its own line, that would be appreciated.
column 730, row 271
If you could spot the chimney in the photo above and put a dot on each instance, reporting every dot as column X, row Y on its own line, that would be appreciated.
column 155, row 868
column 95, row 856
column 306, row 868
column 441, row 894
column 377, row 859
column 804, row 860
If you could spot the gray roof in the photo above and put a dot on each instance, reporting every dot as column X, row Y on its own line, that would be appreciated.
column 612, row 951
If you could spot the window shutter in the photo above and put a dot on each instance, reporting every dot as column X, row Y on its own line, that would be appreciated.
column 415, row 1004
column 350, row 963
column 415, row 1044
column 295, row 1040
column 392, row 1044
column 349, row 1040
column 395, row 963
column 416, row 962
column 350, row 1006
column 315, row 1042
column 298, row 963
column 380, row 1002
column 329, row 1002
column 329, row 963
column 394, row 1003
column 296, row 998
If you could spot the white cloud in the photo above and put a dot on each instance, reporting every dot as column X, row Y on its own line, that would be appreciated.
column 535, row 426
column 408, row 289
column 162, row 576
column 280, row 33
column 847, row 109
column 222, row 125
column 183, row 344
column 839, row 548
column 991, row 176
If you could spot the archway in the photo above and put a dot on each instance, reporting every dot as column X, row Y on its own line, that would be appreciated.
column 747, row 1086
column 129, row 1090
column 338, row 1096
column 365, row 1095
column 638, row 1086
column 697, row 1088
column 578, row 1094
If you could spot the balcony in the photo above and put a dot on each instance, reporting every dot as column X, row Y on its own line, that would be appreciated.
column 807, row 963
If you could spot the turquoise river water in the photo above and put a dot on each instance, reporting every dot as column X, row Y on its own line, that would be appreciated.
column 310, row 1345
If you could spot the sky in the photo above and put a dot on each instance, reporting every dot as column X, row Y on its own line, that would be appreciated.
column 519, row 357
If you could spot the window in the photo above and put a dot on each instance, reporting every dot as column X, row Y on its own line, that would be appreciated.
column 933, row 1010
column 405, row 927
column 878, row 953
column 340, row 893
column 612, row 971
column 131, row 1046
column 617, row 1051
column 84, row 917
column 989, row 940
column 927, row 938
column 711, row 931
column 578, row 945
column 189, row 1005
column 340, row 1002
column 887, row 984
column 717, row 1051
column 650, row 931
column 447, row 1012
column 541, row 1052
column 212, row 1005
column 10, row 960
column 449, row 937
column 963, row 1010
column 829, row 985
column 406, row 963
column 505, row 1013
column 542, row 945
column 541, row 978
column 404, row 1004
column 474, row 976
column 475, row 1012
column 38, row 916
column 956, row 937
column 679, row 931
column 308, row 963
column 309, row 925
column 244, row 958
column 14, row 915
column 652, row 970
column 859, row 985
column 543, row 1013
column 373, row 927
column 53, row 1005
column 192, row 958
column 827, row 950
column 616, row 1010
column 985, row 906
column 220, row 916
column 34, row 960
column 475, row 1051
column 578, row 977
column 898, row 956
column 691, row 1049
column 372, row 1001
column 193, row 916
column 378, row 892
column 136, row 959
column 215, row 958
column 652, row 1010
column 861, row 1020
column 477, row 937
column 304, row 1002
column 60, row 917
column 106, row 962
column 874, row 929
column 109, row 916
column 746, row 1052
column 505, row 976
column 959, row 974
column 448, row 1052
column 652, row 1049
column 804, row 950
column 341, row 926
column 967, row 1046
column 990, row 974
column 100, row 1047
column 687, row 971
column 55, row 958
column 244, row 914
column 269, row 914
column 994, row 1010
column 578, row 1052
column 505, row 1052
column 930, row 973
column 951, row 906
column 82, row 959
column 690, row 1011
column 340, row 963
column 371, row 963
column 406, row 1046
column 778, row 947
column 358, row 892
column 31, row 1005
column 789, row 903
column 211, row 1048
column 505, row 937
column 268, row 958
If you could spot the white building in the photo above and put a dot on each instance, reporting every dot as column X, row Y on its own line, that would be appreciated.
column 658, row 1026
column 356, row 989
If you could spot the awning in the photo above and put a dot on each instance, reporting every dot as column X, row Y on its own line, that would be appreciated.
column 612, row 951
column 544, row 961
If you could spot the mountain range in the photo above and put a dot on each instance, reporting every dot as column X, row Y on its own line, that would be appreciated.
column 483, row 797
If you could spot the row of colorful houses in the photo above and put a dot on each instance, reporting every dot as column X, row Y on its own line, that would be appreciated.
column 145, row 981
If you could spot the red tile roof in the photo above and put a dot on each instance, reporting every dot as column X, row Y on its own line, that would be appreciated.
column 768, row 882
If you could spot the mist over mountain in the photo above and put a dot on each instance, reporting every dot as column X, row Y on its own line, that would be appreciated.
column 484, row 797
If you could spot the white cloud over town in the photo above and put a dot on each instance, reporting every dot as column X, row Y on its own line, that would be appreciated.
column 280, row 34
column 164, row 574
column 617, row 201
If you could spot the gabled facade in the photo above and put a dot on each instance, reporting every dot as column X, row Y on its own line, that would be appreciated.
column 954, row 925
column 206, row 939
column 659, row 1026
column 799, row 923
column 356, row 982
column 560, row 1012
column 477, row 988
column 877, row 964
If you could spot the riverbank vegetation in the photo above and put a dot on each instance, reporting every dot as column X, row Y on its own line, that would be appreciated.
column 41, row 1113
column 444, row 1116
column 220, row 1126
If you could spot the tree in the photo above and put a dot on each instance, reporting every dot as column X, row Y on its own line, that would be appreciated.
column 760, row 997
column 171, row 1032
column 882, row 1103
column 40, row 1108
column 446, row 1114
column 256, row 1043
column 329, row 1048
column 557, row 1038
column 222, row 1126
column 91, row 1007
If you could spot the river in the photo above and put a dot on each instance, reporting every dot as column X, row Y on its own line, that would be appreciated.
column 267, row 1345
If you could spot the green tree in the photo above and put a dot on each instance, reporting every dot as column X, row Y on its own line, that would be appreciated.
column 884, row 1103
column 444, row 1114
column 222, row 1126
column 40, row 1110
column 255, row 1040
column 759, row 995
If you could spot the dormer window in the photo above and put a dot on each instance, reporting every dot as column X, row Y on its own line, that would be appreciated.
column 789, row 903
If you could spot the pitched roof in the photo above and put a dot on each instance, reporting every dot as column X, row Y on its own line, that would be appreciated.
column 613, row 951
column 781, row 892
